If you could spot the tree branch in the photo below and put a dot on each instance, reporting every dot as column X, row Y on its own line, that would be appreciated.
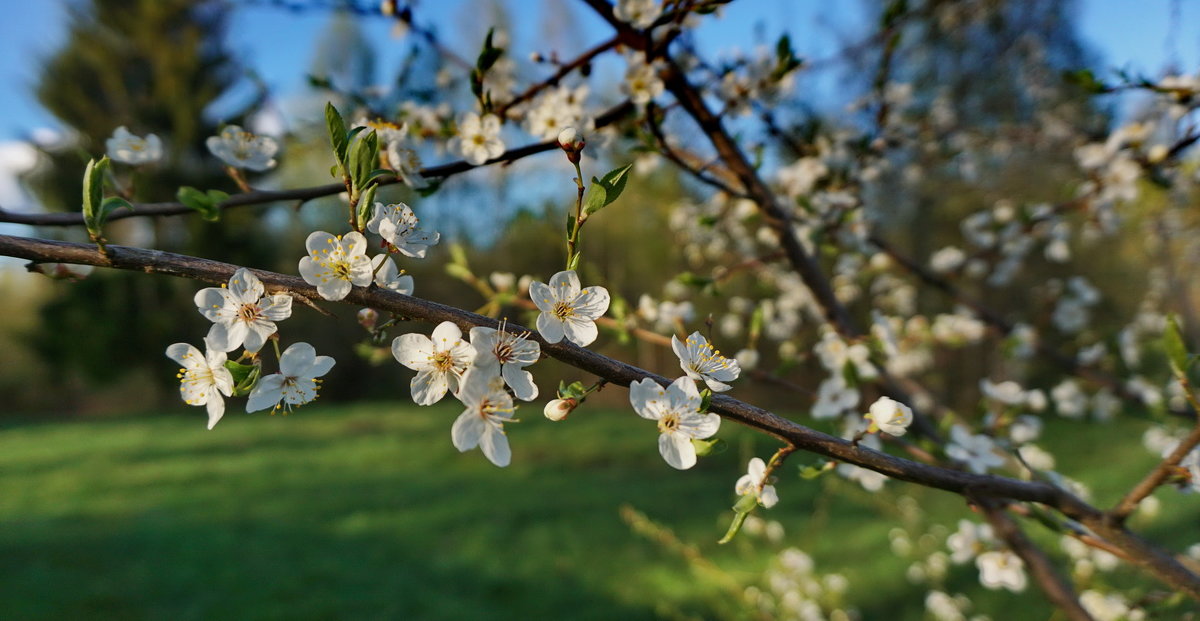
column 976, row 486
column 1054, row 586
column 260, row 197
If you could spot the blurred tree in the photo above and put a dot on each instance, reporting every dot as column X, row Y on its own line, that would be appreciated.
column 156, row 66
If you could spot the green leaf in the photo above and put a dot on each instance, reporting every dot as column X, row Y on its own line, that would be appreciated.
column 1176, row 349
column 739, row 518
column 812, row 472
column 489, row 55
column 607, row 189
column 574, row 390
column 111, row 204
column 366, row 205
column 1086, row 80
column 337, row 132
column 705, row 399
column 430, row 187
column 712, row 446
column 201, row 202
column 363, row 157
column 573, row 264
column 596, row 197
column 244, row 377
column 93, row 193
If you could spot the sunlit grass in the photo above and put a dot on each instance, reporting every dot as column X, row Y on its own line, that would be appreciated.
column 367, row 511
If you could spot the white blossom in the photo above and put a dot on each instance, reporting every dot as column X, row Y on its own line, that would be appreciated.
column 677, row 410
column 296, row 382
column 754, row 482
column 241, row 313
column 977, row 451
column 701, row 362
column 1001, row 569
column 638, row 13
column 335, row 263
column 388, row 276
column 488, row 407
column 397, row 225
column 503, row 353
column 440, row 361
column 130, row 149
column 558, row 409
column 642, row 83
column 242, row 149
column 478, row 138
column 891, row 416
column 968, row 541
column 203, row 379
column 567, row 309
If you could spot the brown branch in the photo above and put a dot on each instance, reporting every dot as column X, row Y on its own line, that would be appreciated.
column 1054, row 586
column 564, row 70
column 1163, row 471
column 976, row 486
column 260, row 197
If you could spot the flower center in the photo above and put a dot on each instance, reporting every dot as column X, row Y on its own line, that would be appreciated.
column 249, row 312
column 443, row 361
column 563, row 310
column 669, row 422
column 503, row 351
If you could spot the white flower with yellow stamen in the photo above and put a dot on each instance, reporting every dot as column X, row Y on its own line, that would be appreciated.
column 397, row 225
column 890, row 416
column 335, row 263
column 241, row 313
column 242, row 149
column 488, row 407
column 700, row 361
column 440, row 361
column 388, row 276
column 131, row 149
column 203, row 379
column 567, row 309
column 478, row 138
column 677, row 410
column 296, row 382
column 1001, row 569
column 755, row 482
column 502, row 353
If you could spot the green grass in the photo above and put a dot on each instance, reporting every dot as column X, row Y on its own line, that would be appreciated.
column 368, row 512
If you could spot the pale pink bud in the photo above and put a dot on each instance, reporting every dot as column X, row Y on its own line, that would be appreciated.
column 558, row 409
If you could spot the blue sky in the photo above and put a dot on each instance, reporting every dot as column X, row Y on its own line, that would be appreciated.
column 1127, row 33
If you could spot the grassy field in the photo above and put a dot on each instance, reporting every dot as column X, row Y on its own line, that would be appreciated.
column 368, row 512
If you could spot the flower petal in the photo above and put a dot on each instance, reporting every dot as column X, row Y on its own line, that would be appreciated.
column 521, row 382
column 551, row 328
column 494, row 445
column 647, row 398
column 216, row 409
column 445, row 336
column 467, row 431
column 266, row 394
column 582, row 332
column 428, row 387
column 542, row 296
column 677, row 450
column 413, row 351
column 565, row 285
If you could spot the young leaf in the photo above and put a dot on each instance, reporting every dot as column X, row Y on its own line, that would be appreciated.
column 201, row 202
column 363, row 158
column 244, row 377
column 337, row 132
column 1176, row 350
column 93, row 193
column 596, row 197
column 109, row 205
column 712, row 446
column 366, row 206
column 739, row 518
column 607, row 189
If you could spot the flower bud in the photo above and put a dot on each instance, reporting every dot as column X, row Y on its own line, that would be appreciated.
column 891, row 416
column 368, row 318
column 571, row 142
column 558, row 409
